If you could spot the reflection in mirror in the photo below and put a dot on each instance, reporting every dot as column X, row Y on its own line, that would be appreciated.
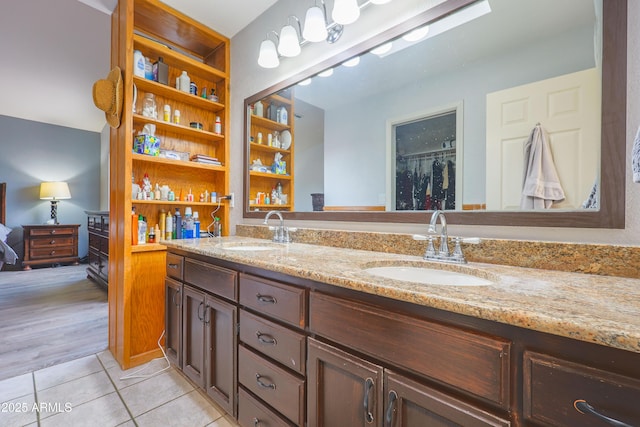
column 505, row 69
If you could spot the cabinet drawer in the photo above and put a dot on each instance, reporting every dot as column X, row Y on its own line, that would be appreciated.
column 53, row 252
column 52, row 241
column 273, row 299
column 275, row 341
column 211, row 278
column 252, row 413
column 278, row 388
column 552, row 387
column 175, row 265
column 52, row 231
column 474, row 363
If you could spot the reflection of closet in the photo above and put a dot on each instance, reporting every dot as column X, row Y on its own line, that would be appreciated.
column 426, row 181
column 136, row 272
column 263, row 181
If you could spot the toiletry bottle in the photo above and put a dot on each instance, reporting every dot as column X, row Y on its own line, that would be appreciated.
column 148, row 69
column 167, row 113
column 284, row 116
column 177, row 231
column 138, row 64
column 168, row 227
column 258, row 109
column 217, row 227
column 134, row 226
column 279, row 189
column 152, row 235
column 142, row 230
column 176, row 117
column 161, row 71
column 187, row 224
column 196, row 225
column 163, row 224
column 218, row 126
column 185, row 82
column 274, row 196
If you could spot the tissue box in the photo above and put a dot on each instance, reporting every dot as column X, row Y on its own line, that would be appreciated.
column 146, row 144
column 279, row 167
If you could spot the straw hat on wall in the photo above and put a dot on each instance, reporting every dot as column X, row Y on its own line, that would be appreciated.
column 107, row 96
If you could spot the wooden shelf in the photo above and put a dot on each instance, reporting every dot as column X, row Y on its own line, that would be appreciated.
column 178, row 129
column 270, row 175
column 175, row 94
column 177, row 163
column 148, row 247
column 270, row 124
column 280, row 99
column 174, row 203
column 264, row 147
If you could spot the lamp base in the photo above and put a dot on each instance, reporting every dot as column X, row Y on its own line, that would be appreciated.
column 54, row 211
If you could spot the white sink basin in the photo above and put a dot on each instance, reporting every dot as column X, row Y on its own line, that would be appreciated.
column 249, row 248
column 428, row 276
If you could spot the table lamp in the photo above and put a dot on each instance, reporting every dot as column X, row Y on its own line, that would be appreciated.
column 54, row 191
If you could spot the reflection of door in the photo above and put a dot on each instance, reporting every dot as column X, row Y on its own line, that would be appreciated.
column 568, row 108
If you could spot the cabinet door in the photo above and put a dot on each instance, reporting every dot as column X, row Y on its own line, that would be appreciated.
column 411, row 404
column 221, row 319
column 173, row 321
column 193, row 311
column 344, row 390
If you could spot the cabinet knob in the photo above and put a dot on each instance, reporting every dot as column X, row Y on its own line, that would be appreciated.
column 52, row 252
column 53, row 242
column 53, row 231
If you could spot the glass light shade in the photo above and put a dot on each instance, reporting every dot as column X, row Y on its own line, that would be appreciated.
column 315, row 27
column 326, row 73
column 416, row 34
column 289, row 45
column 352, row 62
column 305, row 82
column 379, row 1
column 382, row 49
column 268, row 57
column 54, row 191
column 345, row 11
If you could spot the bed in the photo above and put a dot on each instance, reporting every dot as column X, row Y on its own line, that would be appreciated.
column 7, row 254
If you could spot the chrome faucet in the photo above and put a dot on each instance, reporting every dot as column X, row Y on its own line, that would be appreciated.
column 443, row 251
column 280, row 232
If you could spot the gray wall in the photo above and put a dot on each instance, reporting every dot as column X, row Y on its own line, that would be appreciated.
column 33, row 152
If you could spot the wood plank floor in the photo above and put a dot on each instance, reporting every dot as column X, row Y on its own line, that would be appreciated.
column 49, row 316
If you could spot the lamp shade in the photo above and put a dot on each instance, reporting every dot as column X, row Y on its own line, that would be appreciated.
column 268, row 57
column 54, row 191
column 345, row 11
column 315, row 27
column 289, row 44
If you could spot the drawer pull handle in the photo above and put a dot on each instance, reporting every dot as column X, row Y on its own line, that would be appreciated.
column 256, row 422
column 206, row 311
column 201, row 318
column 267, row 299
column 173, row 298
column 53, row 231
column 266, row 338
column 391, row 409
column 272, row 386
column 173, row 266
column 53, row 242
column 584, row 408
column 368, row 386
column 53, row 252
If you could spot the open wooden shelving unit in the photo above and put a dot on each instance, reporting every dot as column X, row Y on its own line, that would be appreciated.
column 136, row 272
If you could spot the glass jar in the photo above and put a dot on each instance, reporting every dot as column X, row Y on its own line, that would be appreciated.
column 149, row 108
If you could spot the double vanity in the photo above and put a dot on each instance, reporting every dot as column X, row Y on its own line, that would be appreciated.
column 300, row 334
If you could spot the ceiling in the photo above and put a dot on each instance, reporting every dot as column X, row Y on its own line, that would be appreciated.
column 49, row 65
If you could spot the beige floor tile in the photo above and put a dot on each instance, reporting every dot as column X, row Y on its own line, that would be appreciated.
column 155, row 391
column 223, row 422
column 194, row 410
column 107, row 359
column 137, row 374
column 127, row 424
column 74, row 393
column 106, row 411
column 11, row 388
column 58, row 374
column 18, row 412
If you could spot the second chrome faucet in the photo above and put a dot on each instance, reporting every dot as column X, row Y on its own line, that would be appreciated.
column 442, row 253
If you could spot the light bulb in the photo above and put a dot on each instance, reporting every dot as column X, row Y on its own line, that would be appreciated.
column 268, row 57
column 382, row 49
column 315, row 27
column 326, row 73
column 305, row 82
column 345, row 11
column 416, row 34
column 352, row 62
column 289, row 45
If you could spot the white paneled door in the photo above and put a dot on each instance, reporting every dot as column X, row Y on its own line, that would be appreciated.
column 568, row 108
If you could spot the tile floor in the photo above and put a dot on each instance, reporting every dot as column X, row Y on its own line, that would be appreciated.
column 93, row 391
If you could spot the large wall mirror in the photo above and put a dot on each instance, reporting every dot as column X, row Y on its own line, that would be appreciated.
column 442, row 122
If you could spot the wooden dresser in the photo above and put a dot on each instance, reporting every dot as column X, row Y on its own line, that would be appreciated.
column 98, row 228
column 50, row 244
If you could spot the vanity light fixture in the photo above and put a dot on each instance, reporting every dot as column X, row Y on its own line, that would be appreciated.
column 352, row 62
column 345, row 12
column 382, row 49
column 326, row 73
column 268, row 57
column 315, row 23
column 379, row 1
column 305, row 82
column 417, row 34
column 289, row 44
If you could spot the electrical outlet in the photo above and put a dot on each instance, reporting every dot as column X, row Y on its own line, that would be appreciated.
column 232, row 200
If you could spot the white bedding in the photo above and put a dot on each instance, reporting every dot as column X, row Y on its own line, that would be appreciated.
column 7, row 254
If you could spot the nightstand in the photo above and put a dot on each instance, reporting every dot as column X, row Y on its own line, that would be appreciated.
column 50, row 244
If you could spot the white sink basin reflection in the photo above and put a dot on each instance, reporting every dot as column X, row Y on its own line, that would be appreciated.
column 428, row 276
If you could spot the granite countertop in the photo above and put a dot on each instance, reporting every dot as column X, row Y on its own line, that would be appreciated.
column 599, row 309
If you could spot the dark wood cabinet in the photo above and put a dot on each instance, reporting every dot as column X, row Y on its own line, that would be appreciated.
column 98, row 255
column 50, row 244
column 193, row 336
column 173, row 321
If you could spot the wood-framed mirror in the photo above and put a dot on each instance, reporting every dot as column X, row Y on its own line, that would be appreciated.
column 611, row 65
